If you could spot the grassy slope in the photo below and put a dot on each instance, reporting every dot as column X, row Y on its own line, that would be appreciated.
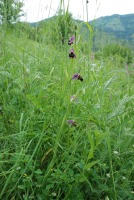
column 42, row 157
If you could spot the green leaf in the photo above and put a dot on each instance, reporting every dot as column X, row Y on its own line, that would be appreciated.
column 89, row 27
column 49, row 186
column 91, row 141
column 38, row 171
column 89, row 165
column 22, row 187
column 91, row 154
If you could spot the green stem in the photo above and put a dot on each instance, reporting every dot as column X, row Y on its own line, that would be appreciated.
column 111, row 165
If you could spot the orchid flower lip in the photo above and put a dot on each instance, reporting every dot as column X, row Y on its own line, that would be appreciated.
column 72, row 54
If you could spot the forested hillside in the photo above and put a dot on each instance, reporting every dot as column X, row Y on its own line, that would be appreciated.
column 119, row 27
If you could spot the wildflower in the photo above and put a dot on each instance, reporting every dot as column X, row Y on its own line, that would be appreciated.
column 71, row 122
column 72, row 54
column 80, row 78
column 107, row 198
column 25, row 175
column 54, row 194
column 73, row 98
column 18, row 168
column 108, row 175
column 115, row 152
column 71, row 40
column 77, row 76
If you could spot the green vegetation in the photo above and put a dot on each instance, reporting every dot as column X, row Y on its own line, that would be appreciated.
column 42, row 154
column 119, row 27
column 113, row 29
column 118, row 53
column 10, row 11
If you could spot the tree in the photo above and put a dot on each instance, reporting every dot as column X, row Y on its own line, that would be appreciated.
column 10, row 11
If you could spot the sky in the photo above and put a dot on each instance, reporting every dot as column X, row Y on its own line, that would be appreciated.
column 37, row 10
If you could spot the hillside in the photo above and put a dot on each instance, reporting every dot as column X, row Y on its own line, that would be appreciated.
column 122, row 26
column 66, row 116
column 109, row 29
column 119, row 27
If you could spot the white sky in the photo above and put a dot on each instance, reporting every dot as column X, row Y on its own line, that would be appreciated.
column 37, row 10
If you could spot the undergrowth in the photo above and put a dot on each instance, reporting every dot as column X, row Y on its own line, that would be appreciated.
column 62, row 138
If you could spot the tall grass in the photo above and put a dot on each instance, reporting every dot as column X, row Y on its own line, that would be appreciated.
column 42, row 155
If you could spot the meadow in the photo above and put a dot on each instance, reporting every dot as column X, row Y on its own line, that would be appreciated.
column 66, row 123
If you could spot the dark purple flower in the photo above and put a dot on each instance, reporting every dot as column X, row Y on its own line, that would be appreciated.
column 71, row 122
column 71, row 40
column 72, row 54
column 77, row 76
